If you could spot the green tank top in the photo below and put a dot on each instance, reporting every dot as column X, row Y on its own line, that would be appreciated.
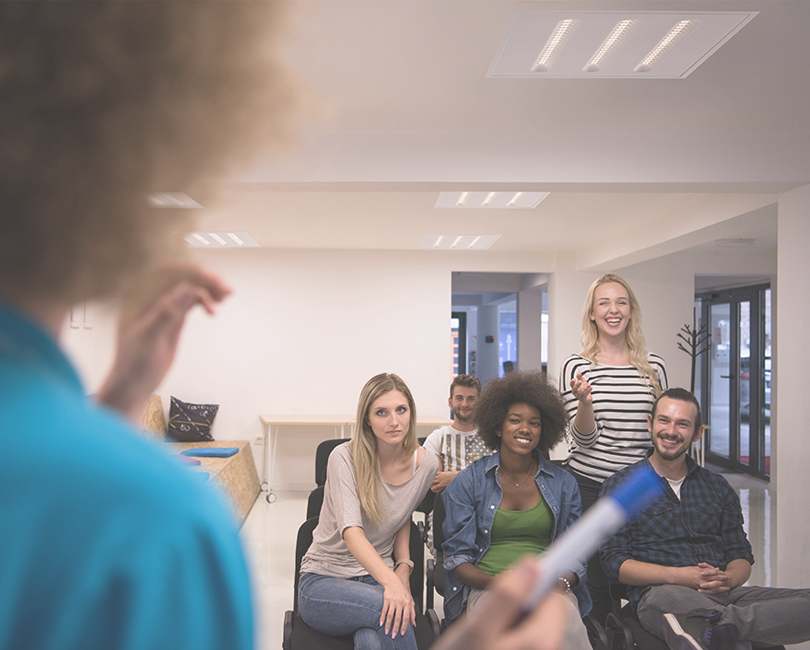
column 516, row 533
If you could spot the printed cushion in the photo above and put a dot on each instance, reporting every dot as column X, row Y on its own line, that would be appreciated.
column 191, row 422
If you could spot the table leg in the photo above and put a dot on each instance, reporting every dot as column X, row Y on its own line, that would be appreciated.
column 271, row 497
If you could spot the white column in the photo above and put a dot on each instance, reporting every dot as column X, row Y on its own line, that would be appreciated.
column 789, row 443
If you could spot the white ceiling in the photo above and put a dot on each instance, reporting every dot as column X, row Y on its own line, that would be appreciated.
column 396, row 107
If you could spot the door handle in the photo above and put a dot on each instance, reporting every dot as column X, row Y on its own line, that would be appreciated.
column 725, row 376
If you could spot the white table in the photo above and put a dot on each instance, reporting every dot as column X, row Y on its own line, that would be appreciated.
column 339, row 422
column 273, row 422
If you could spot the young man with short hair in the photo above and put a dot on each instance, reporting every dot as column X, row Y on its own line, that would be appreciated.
column 457, row 444
column 686, row 556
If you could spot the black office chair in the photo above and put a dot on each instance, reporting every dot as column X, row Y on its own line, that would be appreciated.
column 322, row 457
column 623, row 629
column 315, row 502
column 434, row 569
column 299, row 636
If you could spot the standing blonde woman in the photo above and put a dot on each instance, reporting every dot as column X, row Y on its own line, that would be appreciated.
column 355, row 576
column 608, row 389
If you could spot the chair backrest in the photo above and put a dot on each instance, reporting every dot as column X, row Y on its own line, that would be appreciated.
column 438, row 519
column 417, row 550
column 315, row 502
column 302, row 543
column 322, row 457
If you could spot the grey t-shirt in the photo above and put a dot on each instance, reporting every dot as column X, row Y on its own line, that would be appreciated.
column 328, row 555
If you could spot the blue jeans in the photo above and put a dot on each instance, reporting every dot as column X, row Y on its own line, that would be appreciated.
column 340, row 606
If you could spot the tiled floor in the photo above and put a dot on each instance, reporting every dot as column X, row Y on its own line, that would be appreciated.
column 270, row 530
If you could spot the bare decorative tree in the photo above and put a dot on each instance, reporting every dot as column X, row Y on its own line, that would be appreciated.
column 694, row 341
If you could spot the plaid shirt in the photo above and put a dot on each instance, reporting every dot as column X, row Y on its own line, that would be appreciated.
column 705, row 525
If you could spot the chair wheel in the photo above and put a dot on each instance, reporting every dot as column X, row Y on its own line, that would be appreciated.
column 271, row 498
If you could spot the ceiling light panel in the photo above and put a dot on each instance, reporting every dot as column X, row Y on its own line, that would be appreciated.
column 613, row 44
column 514, row 200
column 172, row 200
column 224, row 239
column 458, row 242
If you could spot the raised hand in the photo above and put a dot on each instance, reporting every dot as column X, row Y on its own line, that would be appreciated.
column 581, row 389
column 152, row 316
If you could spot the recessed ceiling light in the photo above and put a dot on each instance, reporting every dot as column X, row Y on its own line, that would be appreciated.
column 673, row 37
column 458, row 242
column 172, row 200
column 221, row 240
column 555, row 44
column 613, row 44
column 498, row 200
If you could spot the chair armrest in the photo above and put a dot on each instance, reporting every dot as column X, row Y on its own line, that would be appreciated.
column 596, row 633
column 429, row 566
column 619, row 636
column 433, row 619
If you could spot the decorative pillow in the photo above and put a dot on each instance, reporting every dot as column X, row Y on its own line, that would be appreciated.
column 154, row 422
column 191, row 422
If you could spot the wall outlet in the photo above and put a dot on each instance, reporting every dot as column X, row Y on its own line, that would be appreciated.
column 258, row 441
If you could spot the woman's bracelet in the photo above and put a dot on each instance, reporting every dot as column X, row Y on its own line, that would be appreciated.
column 404, row 561
column 565, row 583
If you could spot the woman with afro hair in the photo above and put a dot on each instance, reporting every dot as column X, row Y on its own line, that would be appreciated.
column 513, row 502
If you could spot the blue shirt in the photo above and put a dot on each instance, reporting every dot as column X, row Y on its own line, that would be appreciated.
column 472, row 500
column 704, row 525
column 106, row 542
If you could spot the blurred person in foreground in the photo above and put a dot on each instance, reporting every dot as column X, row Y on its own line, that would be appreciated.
column 106, row 542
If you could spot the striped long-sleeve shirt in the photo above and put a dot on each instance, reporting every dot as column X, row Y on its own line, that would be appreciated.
column 621, row 402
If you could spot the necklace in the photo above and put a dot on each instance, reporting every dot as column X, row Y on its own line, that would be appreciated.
column 517, row 483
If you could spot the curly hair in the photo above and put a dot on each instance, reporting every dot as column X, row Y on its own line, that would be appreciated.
column 106, row 101
column 532, row 388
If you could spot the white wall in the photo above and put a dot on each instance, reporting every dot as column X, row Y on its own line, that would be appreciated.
column 304, row 330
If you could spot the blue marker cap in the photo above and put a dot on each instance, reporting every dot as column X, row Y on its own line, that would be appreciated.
column 638, row 489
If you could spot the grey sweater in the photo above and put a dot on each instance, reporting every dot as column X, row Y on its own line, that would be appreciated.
column 328, row 554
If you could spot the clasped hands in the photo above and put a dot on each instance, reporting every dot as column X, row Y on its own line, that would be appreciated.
column 706, row 578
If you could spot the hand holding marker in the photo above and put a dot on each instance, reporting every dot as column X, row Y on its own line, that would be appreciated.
column 640, row 488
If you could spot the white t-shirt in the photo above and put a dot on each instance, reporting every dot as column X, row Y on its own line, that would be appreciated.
column 455, row 448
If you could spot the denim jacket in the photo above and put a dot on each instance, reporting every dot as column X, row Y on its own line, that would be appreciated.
column 472, row 500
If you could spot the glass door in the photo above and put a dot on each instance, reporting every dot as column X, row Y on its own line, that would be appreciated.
column 737, row 377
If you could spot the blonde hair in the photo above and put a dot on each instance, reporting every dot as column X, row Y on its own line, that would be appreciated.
column 364, row 443
column 633, row 334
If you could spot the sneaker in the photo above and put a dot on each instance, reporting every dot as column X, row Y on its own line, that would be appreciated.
column 696, row 632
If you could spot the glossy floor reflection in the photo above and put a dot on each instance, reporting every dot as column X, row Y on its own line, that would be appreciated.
column 270, row 530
